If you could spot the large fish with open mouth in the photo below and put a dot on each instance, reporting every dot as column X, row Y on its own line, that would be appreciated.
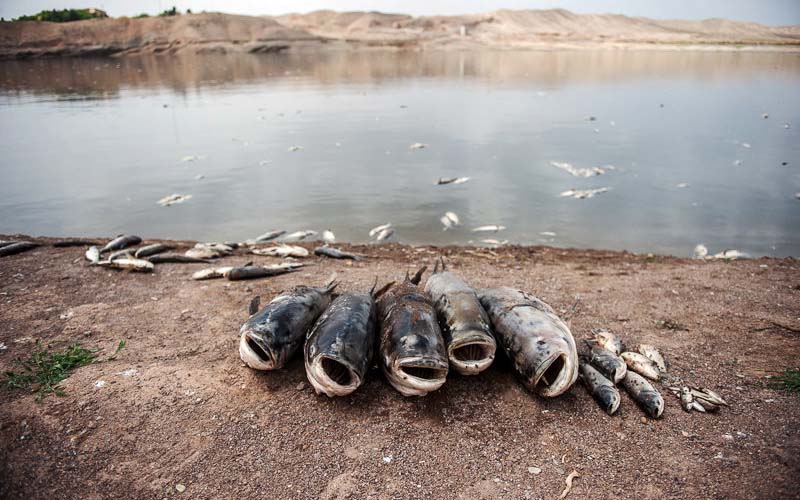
column 465, row 326
column 339, row 348
column 413, row 355
column 270, row 336
column 534, row 338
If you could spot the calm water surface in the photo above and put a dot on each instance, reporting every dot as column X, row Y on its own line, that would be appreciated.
column 89, row 146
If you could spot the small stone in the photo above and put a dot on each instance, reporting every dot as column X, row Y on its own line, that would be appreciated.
column 685, row 434
column 387, row 460
column 728, row 437
column 643, row 420
column 181, row 488
column 301, row 386
column 534, row 470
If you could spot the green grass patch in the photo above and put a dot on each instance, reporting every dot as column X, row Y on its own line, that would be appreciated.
column 789, row 380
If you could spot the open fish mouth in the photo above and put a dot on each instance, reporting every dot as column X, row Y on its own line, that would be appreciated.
column 553, row 376
column 472, row 357
column 332, row 377
column 253, row 355
column 417, row 376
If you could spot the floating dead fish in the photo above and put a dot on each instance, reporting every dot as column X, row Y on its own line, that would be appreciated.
column 190, row 158
column 449, row 220
column 281, row 251
column 129, row 264
column 292, row 149
column 412, row 351
column 581, row 194
column 176, row 258
column 537, row 342
column 470, row 344
column 378, row 229
column 120, row 242
column 682, row 185
column 74, row 243
column 270, row 336
column 299, row 235
column 328, row 237
column 492, row 241
column 651, row 353
column 173, row 199
column 339, row 348
column 452, row 180
column 418, row 145
column 153, row 249
column 17, row 247
column 385, row 234
column 269, row 236
column 601, row 389
column 256, row 272
column 334, row 253
column 491, row 228
column 211, row 273
column 608, row 341
column 579, row 172
column 548, row 233
column 641, row 365
column 93, row 255
column 731, row 255
column 645, row 395
column 606, row 362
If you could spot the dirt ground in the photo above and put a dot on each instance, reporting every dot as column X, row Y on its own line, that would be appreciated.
column 180, row 408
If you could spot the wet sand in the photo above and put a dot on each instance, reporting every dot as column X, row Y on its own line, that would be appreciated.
column 190, row 413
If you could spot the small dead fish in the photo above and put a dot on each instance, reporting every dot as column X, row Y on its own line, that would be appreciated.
column 176, row 258
column 121, row 253
column 73, row 243
column 120, row 242
column 17, row 247
column 641, row 364
column 686, row 398
column 449, row 219
column 385, row 234
column 651, row 353
column 491, row 228
column 708, row 395
column 93, row 255
column 578, row 172
column 601, row 389
column 377, row 229
column 334, row 253
column 256, row 272
column 417, row 145
column 224, row 248
column 645, row 395
column 211, row 273
column 607, row 363
column 281, row 251
column 129, row 264
column 152, row 250
column 451, row 180
column 581, row 194
column 608, row 341
column 299, row 235
column 270, row 336
column 203, row 253
column 173, row 199
column 292, row 149
column 731, row 255
column 328, row 237
column 269, row 236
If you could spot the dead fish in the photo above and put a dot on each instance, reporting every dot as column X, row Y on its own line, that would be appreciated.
column 328, row 237
column 641, row 365
column 269, row 236
column 608, row 341
column 299, row 235
column 176, row 258
column 606, row 362
column 491, row 228
column 418, row 145
column 129, row 264
column 470, row 344
column 451, row 180
column 537, row 342
column 385, row 234
column 377, row 229
column 450, row 220
column 412, row 351
column 73, row 243
column 256, row 272
column 334, row 253
column 152, row 250
column 93, row 255
column 281, row 251
column 492, row 241
column 731, row 255
column 705, row 394
column 339, row 348
column 120, row 242
column 121, row 253
column 203, row 254
column 224, row 248
column 686, row 398
column 645, row 395
column 578, row 172
column 651, row 353
column 581, row 194
column 270, row 336
column 292, row 149
column 5, row 243
column 601, row 389
column 17, row 247
column 173, row 199
column 211, row 273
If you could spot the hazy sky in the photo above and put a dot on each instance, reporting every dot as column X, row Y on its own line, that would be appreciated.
column 775, row 12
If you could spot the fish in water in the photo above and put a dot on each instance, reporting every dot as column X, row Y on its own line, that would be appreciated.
column 17, row 247
column 153, row 249
column 173, row 199
column 385, row 234
column 73, row 243
column 608, row 341
column 328, row 237
column 651, row 353
column 120, row 242
column 581, row 194
column 491, row 228
column 269, row 236
column 449, row 220
column 270, row 336
column 641, row 364
column 164, row 258
column 339, row 348
column 537, row 342
column 452, row 180
column 299, row 235
column 93, row 255
column 334, row 253
column 606, row 362
column 645, row 395
column 254, row 272
column 417, row 145
column 601, row 389
column 412, row 351
column 470, row 344
column 282, row 251
column 377, row 229
column 129, row 264
column 211, row 273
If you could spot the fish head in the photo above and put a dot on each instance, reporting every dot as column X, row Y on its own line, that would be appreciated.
column 333, row 376
column 255, row 351
column 472, row 352
column 554, row 372
column 417, row 375
column 607, row 397
column 652, row 403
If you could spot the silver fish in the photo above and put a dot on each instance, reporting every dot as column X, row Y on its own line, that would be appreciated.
column 606, row 362
column 299, row 235
column 17, row 247
column 129, row 264
column 335, row 253
column 173, row 199
column 203, row 253
column 608, row 341
column 534, row 338
column 601, row 389
column 153, row 249
column 651, row 353
column 385, row 234
column 281, row 251
column 211, row 273
column 121, row 253
column 269, row 236
column 491, row 228
column 93, row 255
column 641, row 365
column 120, row 242
column 645, row 395
column 377, row 229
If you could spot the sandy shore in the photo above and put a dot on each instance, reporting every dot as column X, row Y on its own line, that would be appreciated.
column 179, row 407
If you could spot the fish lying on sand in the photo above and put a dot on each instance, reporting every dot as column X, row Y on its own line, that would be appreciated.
column 153, row 249
column 412, row 351
column 470, row 344
column 128, row 252
column 73, row 243
column 339, row 348
column 698, row 399
column 93, row 255
column 602, row 390
column 449, row 220
column 173, row 199
column 451, row 180
column 377, row 229
column 176, row 258
column 281, row 251
column 651, row 353
column 606, row 362
column 581, row 194
column 328, row 237
column 129, row 264
column 17, row 247
column 209, row 250
column 299, row 235
column 538, row 343
column 645, row 395
column 5, row 243
column 269, row 236
column 270, row 336
column 211, row 273
column 335, row 253
column 255, row 272
column 491, row 228
column 608, row 341
column 641, row 364
column 120, row 242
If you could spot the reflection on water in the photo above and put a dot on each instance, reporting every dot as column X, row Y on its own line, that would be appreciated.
column 89, row 146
